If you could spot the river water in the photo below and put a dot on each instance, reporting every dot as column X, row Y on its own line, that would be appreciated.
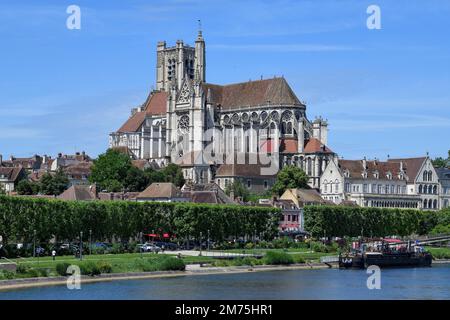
column 405, row 283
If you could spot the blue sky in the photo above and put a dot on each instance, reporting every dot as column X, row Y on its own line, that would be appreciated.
column 384, row 92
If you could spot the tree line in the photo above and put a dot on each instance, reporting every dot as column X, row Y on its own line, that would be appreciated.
column 22, row 218
column 340, row 221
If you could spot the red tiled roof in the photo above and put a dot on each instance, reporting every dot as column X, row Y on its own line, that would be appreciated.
column 133, row 123
column 156, row 103
column 252, row 93
column 313, row 145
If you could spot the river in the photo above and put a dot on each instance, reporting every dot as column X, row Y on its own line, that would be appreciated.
column 405, row 283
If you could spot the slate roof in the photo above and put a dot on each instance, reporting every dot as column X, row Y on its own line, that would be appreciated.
column 79, row 192
column 160, row 190
column 11, row 173
column 411, row 165
column 356, row 168
column 252, row 93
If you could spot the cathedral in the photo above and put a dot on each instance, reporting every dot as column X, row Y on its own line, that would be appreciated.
column 222, row 133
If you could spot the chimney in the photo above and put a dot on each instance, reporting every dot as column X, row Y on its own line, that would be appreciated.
column 401, row 166
column 364, row 163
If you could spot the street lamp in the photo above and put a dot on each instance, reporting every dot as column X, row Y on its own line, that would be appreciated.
column 208, row 240
column 34, row 243
column 200, row 243
column 140, row 246
column 90, row 241
column 81, row 245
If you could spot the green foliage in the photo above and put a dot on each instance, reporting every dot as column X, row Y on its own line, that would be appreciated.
column 61, row 268
column 113, row 171
column 343, row 221
column 89, row 268
column 278, row 257
column 174, row 174
column 441, row 229
column 442, row 162
column 125, row 219
column 238, row 189
column 288, row 178
column 25, row 187
column 104, row 267
column 109, row 168
column 2, row 190
column 160, row 263
column 54, row 184
column 7, row 275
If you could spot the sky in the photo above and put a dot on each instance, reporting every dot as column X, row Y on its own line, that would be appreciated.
column 384, row 92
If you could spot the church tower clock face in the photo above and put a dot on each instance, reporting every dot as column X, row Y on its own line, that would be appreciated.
column 183, row 124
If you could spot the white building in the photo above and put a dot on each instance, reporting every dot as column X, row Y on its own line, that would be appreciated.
column 444, row 181
column 368, row 183
column 201, row 126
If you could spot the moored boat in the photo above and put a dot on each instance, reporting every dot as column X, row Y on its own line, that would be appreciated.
column 383, row 255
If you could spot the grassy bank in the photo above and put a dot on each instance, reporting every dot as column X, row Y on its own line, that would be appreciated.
column 136, row 262
column 439, row 253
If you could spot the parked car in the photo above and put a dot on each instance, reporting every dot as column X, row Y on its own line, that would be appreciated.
column 148, row 247
column 167, row 245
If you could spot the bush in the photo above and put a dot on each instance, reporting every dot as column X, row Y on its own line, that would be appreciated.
column 299, row 259
column 318, row 247
column 104, row 267
column 249, row 246
column 171, row 263
column 160, row 263
column 282, row 243
column 7, row 275
column 22, row 269
column 89, row 268
column 61, row 268
column 277, row 257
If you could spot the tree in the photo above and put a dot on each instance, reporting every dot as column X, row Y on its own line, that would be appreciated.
column 2, row 189
column 290, row 177
column 109, row 166
column 441, row 162
column 174, row 174
column 54, row 184
column 238, row 189
column 24, row 187
column 135, row 180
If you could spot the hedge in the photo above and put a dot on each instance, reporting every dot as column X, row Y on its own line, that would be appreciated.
column 343, row 221
column 19, row 216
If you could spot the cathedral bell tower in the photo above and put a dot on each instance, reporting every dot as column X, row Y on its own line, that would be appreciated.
column 200, row 64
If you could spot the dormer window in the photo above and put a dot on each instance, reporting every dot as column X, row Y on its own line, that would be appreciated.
column 376, row 175
column 364, row 174
column 389, row 176
column 347, row 174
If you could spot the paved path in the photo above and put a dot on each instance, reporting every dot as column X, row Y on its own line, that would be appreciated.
column 205, row 253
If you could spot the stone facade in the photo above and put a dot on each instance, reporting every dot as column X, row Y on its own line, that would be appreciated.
column 396, row 183
column 202, row 126
column 444, row 181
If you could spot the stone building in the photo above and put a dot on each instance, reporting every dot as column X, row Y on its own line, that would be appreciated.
column 444, row 181
column 203, row 126
column 396, row 183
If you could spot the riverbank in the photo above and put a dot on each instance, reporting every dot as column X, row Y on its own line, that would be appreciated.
column 191, row 270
